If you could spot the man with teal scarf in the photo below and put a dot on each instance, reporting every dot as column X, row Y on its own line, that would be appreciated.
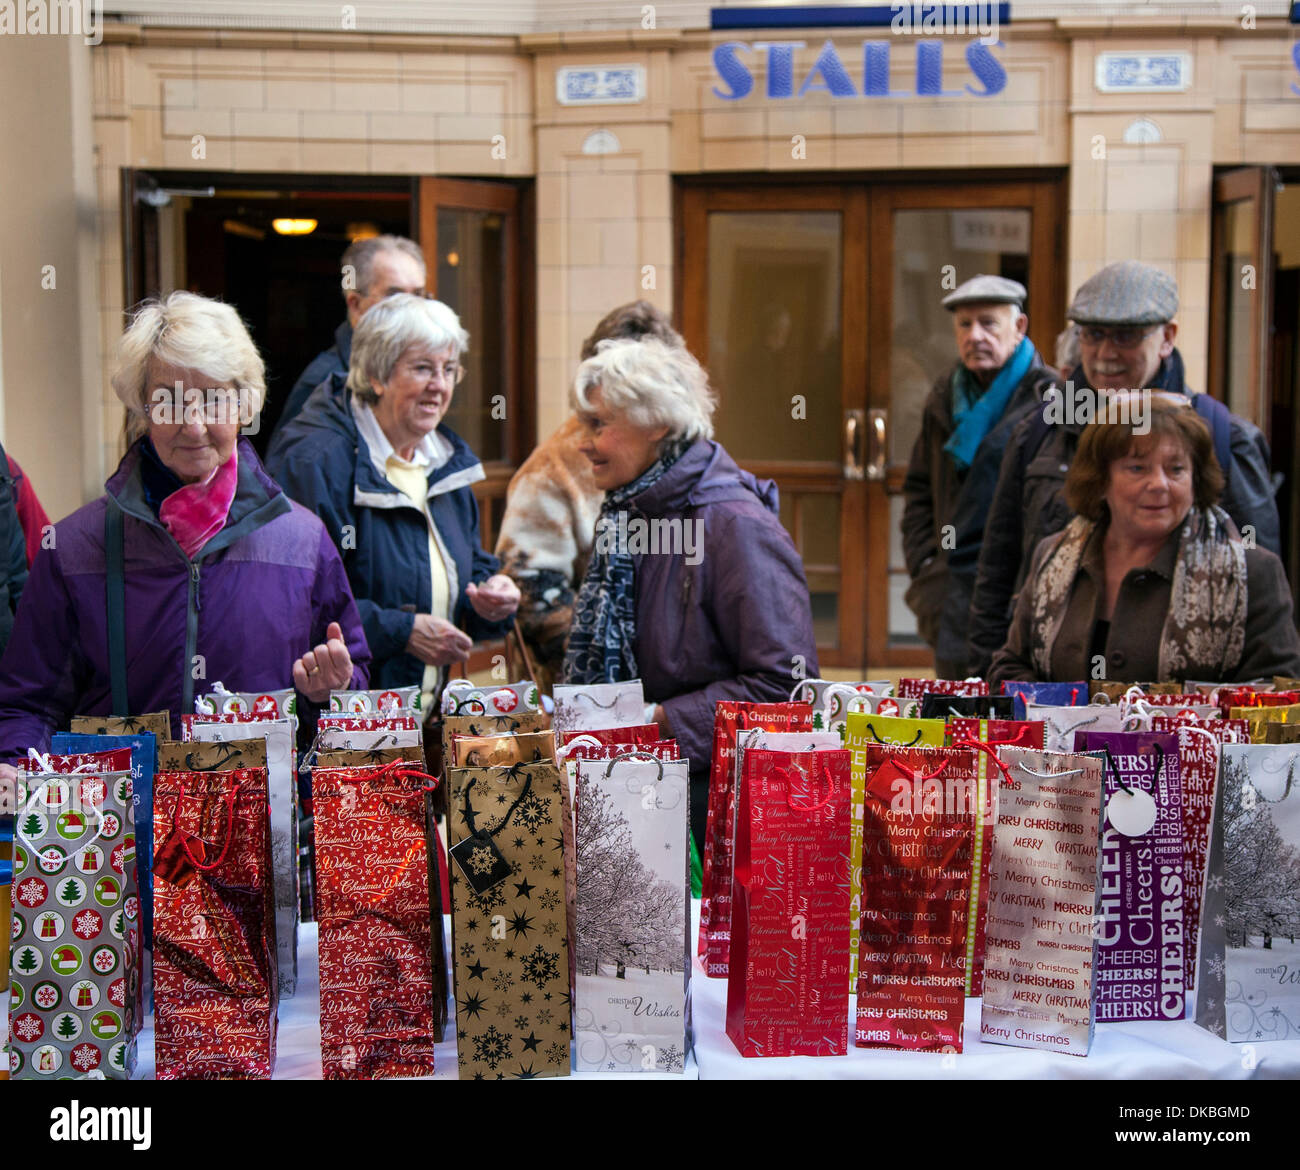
column 965, row 425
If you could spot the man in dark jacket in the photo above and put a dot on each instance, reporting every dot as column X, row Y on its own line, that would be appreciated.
column 1124, row 316
column 965, row 425
column 372, row 270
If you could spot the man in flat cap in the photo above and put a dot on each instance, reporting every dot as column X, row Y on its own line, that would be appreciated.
column 965, row 425
column 1124, row 321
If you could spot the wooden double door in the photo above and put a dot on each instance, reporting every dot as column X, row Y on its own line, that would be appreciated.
column 817, row 310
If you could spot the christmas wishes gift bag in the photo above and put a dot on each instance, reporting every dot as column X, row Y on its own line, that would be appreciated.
column 75, row 945
column 632, row 817
column 1247, row 989
column 282, row 787
column 215, row 991
column 378, row 992
column 509, row 942
column 1143, row 940
column 1040, row 950
column 916, row 868
column 730, row 718
column 788, row 990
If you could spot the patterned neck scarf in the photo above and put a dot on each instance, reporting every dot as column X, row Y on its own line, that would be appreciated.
column 196, row 512
column 1204, row 633
column 602, row 639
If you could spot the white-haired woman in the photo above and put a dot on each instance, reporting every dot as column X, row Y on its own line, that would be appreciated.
column 209, row 571
column 372, row 457
column 693, row 586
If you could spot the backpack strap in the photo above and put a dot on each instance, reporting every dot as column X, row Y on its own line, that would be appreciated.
column 115, row 581
column 1219, row 419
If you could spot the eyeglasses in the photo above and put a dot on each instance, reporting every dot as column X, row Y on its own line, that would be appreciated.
column 1124, row 336
column 451, row 372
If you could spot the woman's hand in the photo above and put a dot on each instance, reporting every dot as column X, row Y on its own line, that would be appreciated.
column 436, row 642
column 8, row 789
column 495, row 600
column 326, row 668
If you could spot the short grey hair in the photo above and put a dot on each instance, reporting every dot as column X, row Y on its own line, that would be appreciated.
column 192, row 331
column 358, row 263
column 652, row 385
column 392, row 326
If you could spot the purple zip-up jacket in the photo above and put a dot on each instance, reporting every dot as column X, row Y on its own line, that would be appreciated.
column 730, row 626
column 258, row 596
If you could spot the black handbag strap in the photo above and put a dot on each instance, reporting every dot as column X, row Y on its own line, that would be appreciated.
column 115, row 558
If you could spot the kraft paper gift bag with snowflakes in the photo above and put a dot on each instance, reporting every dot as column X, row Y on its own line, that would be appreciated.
column 509, row 930
column 1247, row 989
column 633, row 868
column 75, row 949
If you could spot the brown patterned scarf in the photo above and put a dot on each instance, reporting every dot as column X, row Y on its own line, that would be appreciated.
column 1204, row 633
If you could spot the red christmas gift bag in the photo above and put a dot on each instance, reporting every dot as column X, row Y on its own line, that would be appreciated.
column 730, row 718
column 918, row 836
column 788, row 994
column 917, row 688
column 215, row 990
column 377, row 987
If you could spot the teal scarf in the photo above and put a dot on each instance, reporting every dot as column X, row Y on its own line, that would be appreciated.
column 973, row 414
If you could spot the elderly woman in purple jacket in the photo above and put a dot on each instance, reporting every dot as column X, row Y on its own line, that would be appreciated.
column 222, row 576
column 693, row 585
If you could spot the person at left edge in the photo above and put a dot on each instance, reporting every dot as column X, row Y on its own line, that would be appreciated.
column 953, row 471
column 224, row 577
column 371, row 456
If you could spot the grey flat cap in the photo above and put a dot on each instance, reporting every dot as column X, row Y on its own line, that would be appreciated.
column 986, row 290
column 1126, row 293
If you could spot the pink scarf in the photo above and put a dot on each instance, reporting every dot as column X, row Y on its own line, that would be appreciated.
column 195, row 513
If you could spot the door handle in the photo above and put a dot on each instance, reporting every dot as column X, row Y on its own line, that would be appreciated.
column 854, row 425
column 877, row 443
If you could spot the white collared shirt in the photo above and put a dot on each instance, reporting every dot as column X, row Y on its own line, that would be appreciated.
column 430, row 452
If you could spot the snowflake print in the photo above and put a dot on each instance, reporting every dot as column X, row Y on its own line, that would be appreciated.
column 87, row 924
column 549, row 899
column 503, row 1010
column 103, row 960
column 540, row 967
column 490, row 945
column 502, row 981
column 532, row 811
column 481, row 859
column 27, row 1028
column 671, row 1059
column 1215, row 881
column 556, row 1053
column 550, row 928
column 1210, row 1004
column 32, row 892
column 1220, row 921
column 488, row 901
column 85, row 1057
column 544, row 1016
column 466, row 950
column 46, row 997
column 492, row 1047
column 521, row 1022
column 1216, row 967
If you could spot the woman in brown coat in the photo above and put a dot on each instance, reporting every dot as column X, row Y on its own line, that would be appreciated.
column 1151, row 580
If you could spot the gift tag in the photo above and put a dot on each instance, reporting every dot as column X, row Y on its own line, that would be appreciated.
column 1132, row 813
column 481, row 862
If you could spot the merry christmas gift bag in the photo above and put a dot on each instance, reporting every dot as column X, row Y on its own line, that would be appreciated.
column 731, row 717
column 509, row 944
column 75, row 946
column 918, row 834
column 631, row 954
column 788, row 992
column 1246, row 985
column 1142, row 936
column 1040, row 951
column 282, row 787
column 378, row 992
column 215, row 990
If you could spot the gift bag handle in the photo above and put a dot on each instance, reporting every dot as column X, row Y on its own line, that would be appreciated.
column 469, row 810
column 636, row 755
column 99, row 832
column 915, row 739
column 229, row 801
column 1046, row 775
column 806, row 809
column 988, row 750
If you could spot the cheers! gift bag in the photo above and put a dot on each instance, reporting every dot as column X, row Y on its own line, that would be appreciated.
column 1140, row 955
column 1247, row 989
column 378, row 991
column 788, row 994
column 633, row 869
column 215, row 991
column 916, row 879
column 729, row 719
column 75, row 948
column 1040, row 950
column 509, row 942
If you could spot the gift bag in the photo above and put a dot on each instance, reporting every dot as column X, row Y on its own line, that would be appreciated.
column 501, row 751
column 1062, row 723
column 1040, row 950
column 631, row 953
column 918, row 688
column 362, row 732
column 918, row 836
column 841, row 705
column 509, row 942
column 215, row 991
column 392, row 701
column 1140, row 954
column 1247, row 989
column 861, row 731
column 1064, row 694
column 282, row 790
column 937, row 706
column 1278, row 732
column 277, row 704
column 461, row 697
column 379, row 995
column 788, row 993
column 1259, row 718
column 75, row 928
column 580, row 708
column 729, row 719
